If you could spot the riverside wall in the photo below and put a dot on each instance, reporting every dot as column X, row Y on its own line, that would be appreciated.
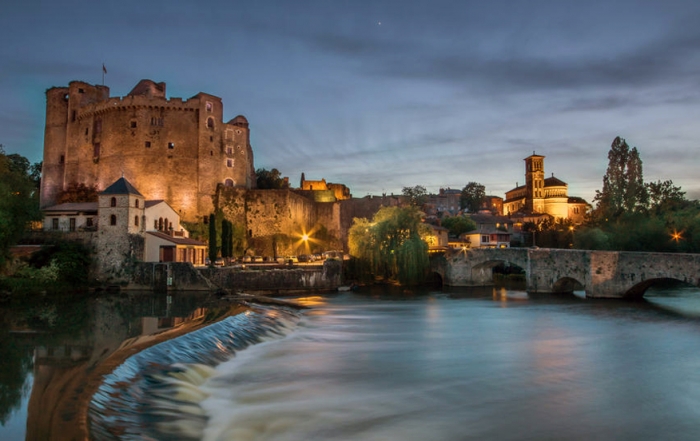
column 268, row 280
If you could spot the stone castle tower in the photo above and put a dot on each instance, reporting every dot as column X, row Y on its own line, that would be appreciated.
column 171, row 149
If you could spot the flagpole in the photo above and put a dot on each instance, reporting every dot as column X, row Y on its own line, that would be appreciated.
column 104, row 71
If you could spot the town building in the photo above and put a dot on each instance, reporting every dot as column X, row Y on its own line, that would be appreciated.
column 171, row 149
column 542, row 195
column 124, row 226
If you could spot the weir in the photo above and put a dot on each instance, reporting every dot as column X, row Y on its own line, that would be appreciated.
column 155, row 394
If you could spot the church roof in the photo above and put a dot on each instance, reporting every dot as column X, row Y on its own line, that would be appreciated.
column 122, row 186
column 554, row 182
column 72, row 207
column 176, row 240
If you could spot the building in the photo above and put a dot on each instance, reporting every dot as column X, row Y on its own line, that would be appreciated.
column 543, row 195
column 171, row 149
column 322, row 191
column 124, row 226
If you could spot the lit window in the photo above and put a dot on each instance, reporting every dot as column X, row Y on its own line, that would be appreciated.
column 171, row 145
column 209, row 106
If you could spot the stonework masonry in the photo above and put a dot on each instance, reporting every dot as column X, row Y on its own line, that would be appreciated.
column 172, row 149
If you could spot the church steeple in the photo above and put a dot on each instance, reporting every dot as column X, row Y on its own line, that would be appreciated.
column 534, row 183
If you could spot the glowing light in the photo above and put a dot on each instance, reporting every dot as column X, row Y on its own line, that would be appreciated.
column 677, row 235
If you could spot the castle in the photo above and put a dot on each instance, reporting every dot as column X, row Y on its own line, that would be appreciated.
column 542, row 195
column 171, row 149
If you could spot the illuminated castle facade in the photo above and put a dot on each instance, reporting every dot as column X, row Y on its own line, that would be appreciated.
column 171, row 149
column 542, row 195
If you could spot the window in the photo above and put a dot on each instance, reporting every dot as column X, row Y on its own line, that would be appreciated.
column 209, row 106
column 62, row 160
column 157, row 121
column 72, row 116
column 96, row 150
column 113, row 219
column 160, row 224
column 136, row 220
column 86, row 131
column 54, row 223
column 484, row 239
column 211, row 139
column 171, row 145
column 113, row 202
column 229, row 163
column 229, row 150
column 228, row 183
column 148, row 144
column 137, row 203
column 155, row 224
column 71, row 224
column 88, row 222
column 133, row 124
column 98, row 126
column 81, row 91
column 210, row 122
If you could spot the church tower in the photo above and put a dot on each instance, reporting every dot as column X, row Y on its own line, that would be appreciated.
column 534, row 183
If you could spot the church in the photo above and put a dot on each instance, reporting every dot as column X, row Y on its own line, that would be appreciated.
column 543, row 196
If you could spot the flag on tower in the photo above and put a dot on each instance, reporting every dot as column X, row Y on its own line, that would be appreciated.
column 104, row 69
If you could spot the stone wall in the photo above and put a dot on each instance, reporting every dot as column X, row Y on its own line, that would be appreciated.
column 184, row 277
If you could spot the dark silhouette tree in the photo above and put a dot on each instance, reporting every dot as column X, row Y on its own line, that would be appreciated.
column 270, row 179
column 416, row 196
column 212, row 239
column 623, row 184
column 472, row 197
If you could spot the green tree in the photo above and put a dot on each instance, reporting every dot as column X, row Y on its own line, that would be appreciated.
column 623, row 184
column 19, row 204
column 391, row 245
column 664, row 196
column 270, row 179
column 472, row 197
column 212, row 238
column 458, row 225
column 417, row 196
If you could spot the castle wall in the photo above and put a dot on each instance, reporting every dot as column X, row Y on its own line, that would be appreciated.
column 177, row 150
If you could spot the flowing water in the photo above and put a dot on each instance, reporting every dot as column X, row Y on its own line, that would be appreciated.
column 468, row 364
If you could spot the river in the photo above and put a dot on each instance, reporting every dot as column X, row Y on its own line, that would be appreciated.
column 462, row 364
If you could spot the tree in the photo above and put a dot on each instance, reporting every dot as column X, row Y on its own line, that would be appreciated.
column 391, row 245
column 270, row 179
column 458, row 225
column 212, row 238
column 75, row 192
column 417, row 196
column 19, row 203
column 664, row 196
column 472, row 197
column 623, row 183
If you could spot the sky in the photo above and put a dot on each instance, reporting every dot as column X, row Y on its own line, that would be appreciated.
column 386, row 94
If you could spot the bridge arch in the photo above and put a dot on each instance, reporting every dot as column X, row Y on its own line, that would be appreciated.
column 637, row 291
column 567, row 285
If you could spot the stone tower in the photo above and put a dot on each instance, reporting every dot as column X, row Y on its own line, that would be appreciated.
column 534, row 183
column 171, row 149
column 120, row 224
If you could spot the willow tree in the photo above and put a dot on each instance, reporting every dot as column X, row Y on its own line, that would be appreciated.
column 390, row 245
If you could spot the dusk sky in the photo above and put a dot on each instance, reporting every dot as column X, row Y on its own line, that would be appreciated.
column 380, row 95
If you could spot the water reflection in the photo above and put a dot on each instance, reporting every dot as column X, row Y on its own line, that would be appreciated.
column 560, row 354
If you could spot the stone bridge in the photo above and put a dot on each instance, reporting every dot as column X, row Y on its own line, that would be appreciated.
column 601, row 274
